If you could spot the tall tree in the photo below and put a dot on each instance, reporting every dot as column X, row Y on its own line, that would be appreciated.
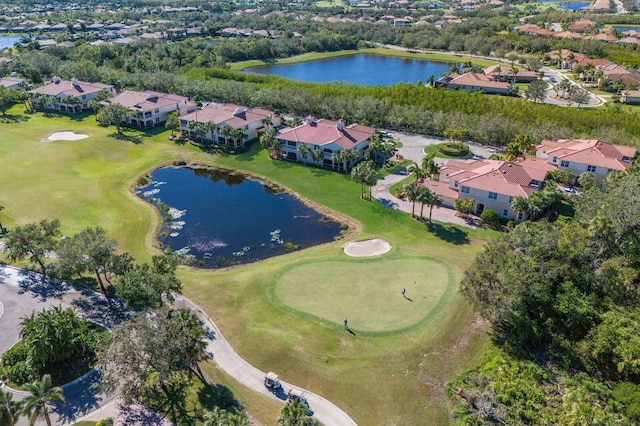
column 269, row 142
column 160, row 345
column 42, row 393
column 412, row 192
column 10, row 410
column 226, row 417
column 113, row 115
column 304, row 151
column 172, row 123
column 34, row 241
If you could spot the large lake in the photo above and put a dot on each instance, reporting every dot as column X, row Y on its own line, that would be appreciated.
column 221, row 219
column 370, row 70
column 576, row 5
column 8, row 41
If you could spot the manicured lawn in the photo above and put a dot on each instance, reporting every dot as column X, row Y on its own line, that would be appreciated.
column 367, row 292
column 392, row 377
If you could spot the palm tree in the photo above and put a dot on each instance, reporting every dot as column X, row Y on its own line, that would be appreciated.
column 416, row 171
column 514, row 71
column 10, row 410
column 429, row 165
column 431, row 80
column 520, row 204
column 317, row 155
column 42, row 393
column 337, row 158
column 269, row 142
column 412, row 192
column 433, row 200
column 304, row 151
column 294, row 413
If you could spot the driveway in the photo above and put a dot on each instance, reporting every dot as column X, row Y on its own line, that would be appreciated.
column 413, row 146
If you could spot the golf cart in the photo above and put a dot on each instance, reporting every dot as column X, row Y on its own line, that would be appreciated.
column 272, row 381
column 297, row 395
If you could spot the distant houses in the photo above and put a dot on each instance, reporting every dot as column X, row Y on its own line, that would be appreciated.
column 585, row 155
column 475, row 82
column 330, row 137
column 493, row 184
column 67, row 96
column 150, row 108
column 14, row 83
column 227, row 124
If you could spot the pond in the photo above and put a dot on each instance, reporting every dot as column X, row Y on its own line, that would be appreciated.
column 219, row 218
column 8, row 41
column 622, row 29
column 576, row 5
column 369, row 70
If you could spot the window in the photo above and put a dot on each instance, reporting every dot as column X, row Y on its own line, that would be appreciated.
column 328, row 151
column 464, row 189
column 564, row 163
column 493, row 195
column 555, row 159
column 291, row 143
column 455, row 184
column 84, row 97
column 157, row 110
column 591, row 169
column 626, row 159
column 505, row 212
column 510, row 200
column 157, row 119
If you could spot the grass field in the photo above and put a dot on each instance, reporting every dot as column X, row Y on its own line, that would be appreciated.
column 367, row 292
column 433, row 149
column 392, row 377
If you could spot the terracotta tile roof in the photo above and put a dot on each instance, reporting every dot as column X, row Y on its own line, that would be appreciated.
column 507, row 179
column 589, row 151
column 146, row 101
column 324, row 132
column 65, row 87
column 505, row 70
column 565, row 54
column 479, row 80
column 441, row 188
column 631, row 93
column 582, row 25
column 10, row 81
column 628, row 40
column 232, row 115
column 534, row 164
column 568, row 34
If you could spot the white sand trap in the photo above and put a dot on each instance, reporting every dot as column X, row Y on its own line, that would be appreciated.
column 372, row 247
column 67, row 136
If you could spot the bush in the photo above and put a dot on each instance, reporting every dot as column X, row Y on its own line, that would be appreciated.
column 454, row 149
column 490, row 216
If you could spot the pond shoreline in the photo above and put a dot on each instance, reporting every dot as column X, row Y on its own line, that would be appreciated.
column 349, row 226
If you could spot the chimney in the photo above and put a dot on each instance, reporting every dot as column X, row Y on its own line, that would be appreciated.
column 56, row 79
column 74, row 82
column 340, row 125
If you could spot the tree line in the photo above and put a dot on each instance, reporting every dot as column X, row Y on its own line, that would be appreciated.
column 562, row 304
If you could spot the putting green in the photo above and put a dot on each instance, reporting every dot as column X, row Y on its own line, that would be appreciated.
column 367, row 293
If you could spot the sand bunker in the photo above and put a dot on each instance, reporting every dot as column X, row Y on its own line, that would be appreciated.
column 366, row 248
column 67, row 136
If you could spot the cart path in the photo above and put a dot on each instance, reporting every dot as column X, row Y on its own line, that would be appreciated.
column 234, row 365
column 23, row 292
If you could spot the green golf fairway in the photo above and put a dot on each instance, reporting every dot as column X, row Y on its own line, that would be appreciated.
column 368, row 293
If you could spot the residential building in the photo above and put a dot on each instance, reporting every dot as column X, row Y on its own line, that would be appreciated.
column 330, row 137
column 67, row 96
column 150, row 108
column 12, row 82
column 475, row 82
column 505, row 73
column 631, row 96
column 227, row 124
column 586, row 155
column 582, row 26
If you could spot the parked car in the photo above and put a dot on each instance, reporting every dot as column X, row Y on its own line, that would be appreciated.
column 570, row 191
column 552, row 79
column 272, row 381
column 386, row 134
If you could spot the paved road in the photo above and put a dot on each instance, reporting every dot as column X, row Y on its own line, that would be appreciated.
column 234, row 365
column 23, row 292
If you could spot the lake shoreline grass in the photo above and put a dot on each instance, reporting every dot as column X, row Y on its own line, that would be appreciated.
column 380, row 51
